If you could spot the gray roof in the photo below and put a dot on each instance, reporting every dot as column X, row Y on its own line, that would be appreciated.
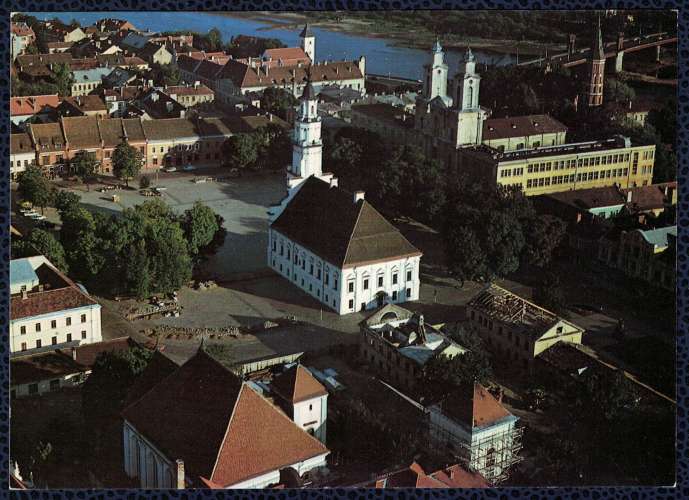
column 659, row 237
column 21, row 272
column 306, row 31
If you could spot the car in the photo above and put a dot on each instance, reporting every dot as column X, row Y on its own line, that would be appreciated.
column 38, row 217
column 188, row 168
column 159, row 188
column 170, row 169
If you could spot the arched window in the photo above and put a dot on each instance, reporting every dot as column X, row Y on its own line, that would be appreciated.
column 470, row 95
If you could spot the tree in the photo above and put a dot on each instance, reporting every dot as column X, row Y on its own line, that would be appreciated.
column 82, row 243
column 214, row 40
column 615, row 90
column 241, row 151
column 40, row 242
column 144, row 181
column 549, row 294
column 35, row 188
column 544, row 234
column 200, row 225
column 66, row 200
column 168, row 74
column 278, row 101
column 63, row 78
column 84, row 165
column 126, row 162
column 168, row 255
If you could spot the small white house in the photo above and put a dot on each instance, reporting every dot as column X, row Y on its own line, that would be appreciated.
column 47, row 309
column 304, row 399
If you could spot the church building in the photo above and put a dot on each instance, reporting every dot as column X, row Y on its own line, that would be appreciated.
column 331, row 243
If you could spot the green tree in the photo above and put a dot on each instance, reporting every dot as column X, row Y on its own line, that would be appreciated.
column 82, row 243
column 214, row 40
column 241, row 151
column 543, row 234
column 126, row 162
column 278, row 101
column 66, row 200
column 63, row 79
column 35, row 188
column 200, row 225
column 144, row 182
column 168, row 74
column 615, row 90
column 84, row 166
column 40, row 242
column 168, row 255
column 550, row 294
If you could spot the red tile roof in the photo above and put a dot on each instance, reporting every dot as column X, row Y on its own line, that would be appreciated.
column 288, row 55
column 49, row 301
column 158, row 368
column 519, row 126
column 220, row 427
column 87, row 103
column 297, row 384
column 477, row 409
column 21, row 143
column 649, row 197
column 190, row 90
column 414, row 476
column 243, row 75
column 30, row 105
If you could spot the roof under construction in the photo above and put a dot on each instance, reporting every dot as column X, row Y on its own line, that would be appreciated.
column 502, row 305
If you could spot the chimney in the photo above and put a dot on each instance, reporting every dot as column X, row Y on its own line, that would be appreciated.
column 74, row 353
column 358, row 195
column 630, row 104
column 333, row 182
column 629, row 196
column 180, row 474
column 197, row 84
column 40, row 288
column 25, row 294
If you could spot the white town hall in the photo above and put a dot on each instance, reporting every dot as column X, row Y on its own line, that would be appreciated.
column 331, row 243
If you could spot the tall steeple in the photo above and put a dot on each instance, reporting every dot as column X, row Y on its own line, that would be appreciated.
column 435, row 83
column 308, row 42
column 469, row 86
column 307, row 145
column 594, row 89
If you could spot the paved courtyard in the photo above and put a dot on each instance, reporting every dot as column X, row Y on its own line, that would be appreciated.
column 242, row 202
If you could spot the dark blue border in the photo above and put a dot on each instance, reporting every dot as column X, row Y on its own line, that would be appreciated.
column 682, row 489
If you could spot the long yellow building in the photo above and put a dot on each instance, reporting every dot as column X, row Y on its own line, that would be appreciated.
column 563, row 167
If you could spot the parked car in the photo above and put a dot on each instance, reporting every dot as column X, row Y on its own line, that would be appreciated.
column 188, row 168
column 170, row 169
column 38, row 217
column 159, row 188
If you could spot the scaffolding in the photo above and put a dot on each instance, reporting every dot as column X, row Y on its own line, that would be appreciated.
column 492, row 456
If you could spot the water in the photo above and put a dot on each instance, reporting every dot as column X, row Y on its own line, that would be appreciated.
column 382, row 56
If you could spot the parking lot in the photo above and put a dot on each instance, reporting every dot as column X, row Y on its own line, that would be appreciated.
column 243, row 203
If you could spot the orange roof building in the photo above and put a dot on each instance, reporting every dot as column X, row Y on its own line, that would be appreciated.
column 24, row 107
column 215, row 431
column 303, row 398
column 475, row 425
column 414, row 476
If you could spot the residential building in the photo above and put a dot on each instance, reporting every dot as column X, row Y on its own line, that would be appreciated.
column 113, row 132
column 118, row 77
column 398, row 344
column 561, row 168
column 84, row 105
column 478, row 430
column 334, row 254
column 190, row 96
column 22, row 154
column 56, row 31
column 153, row 53
column 88, row 80
column 155, row 104
column 21, row 36
column 118, row 99
column 59, row 47
column 218, row 432
column 111, row 25
column 36, row 374
column 82, row 135
column 649, row 255
column 652, row 198
column 47, row 309
column 23, row 108
column 414, row 476
column 50, row 143
column 523, row 132
column 303, row 398
column 515, row 329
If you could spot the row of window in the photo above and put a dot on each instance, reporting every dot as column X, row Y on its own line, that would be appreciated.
column 380, row 280
column 18, row 163
column 53, row 324
column 582, row 177
column 53, row 341
column 197, row 146
column 314, row 271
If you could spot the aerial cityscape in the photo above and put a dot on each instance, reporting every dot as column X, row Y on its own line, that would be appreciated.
column 381, row 249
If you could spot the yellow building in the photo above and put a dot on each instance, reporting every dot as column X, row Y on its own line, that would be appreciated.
column 564, row 167
column 514, row 329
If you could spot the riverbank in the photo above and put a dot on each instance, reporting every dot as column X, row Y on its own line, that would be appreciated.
column 419, row 39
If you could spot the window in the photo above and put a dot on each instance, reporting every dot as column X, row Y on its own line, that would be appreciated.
column 38, row 343
column 380, row 281
column 394, row 278
column 83, row 318
column 351, row 304
column 68, row 321
column 38, row 327
column 310, row 407
column 69, row 337
column 23, row 346
column 394, row 295
column 365, row 283
column 350, row 286
column 408, row 292
column 54, row 340
column 54, row 384
column 53, row 324
column 22, row 330
column 335, row 282
column 327, row 278
column 33, row 388
column 408, row 274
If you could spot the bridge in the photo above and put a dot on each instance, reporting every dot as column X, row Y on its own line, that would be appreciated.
column 612, row 50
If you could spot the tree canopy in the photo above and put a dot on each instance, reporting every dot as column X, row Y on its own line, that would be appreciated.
column 84, row 166
column 35, row 188
column 126, row 162
column 40, row 242
column 278, row 101
column 200, row 225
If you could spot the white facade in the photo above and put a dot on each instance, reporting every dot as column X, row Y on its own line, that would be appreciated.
column 344, row 290
column 435, row 84
column 485, row 448
column 308, row 44
column 312, row 415
column 80, row 324
column 19, row 162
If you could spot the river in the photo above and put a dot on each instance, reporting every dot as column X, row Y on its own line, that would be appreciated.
column 382, row 56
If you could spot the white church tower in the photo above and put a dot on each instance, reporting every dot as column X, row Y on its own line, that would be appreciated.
column 308, row 42
column 307, row 149
column 435, row 83
column 471, row 116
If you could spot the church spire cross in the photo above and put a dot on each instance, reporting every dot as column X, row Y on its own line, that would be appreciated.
column 437, row 47
column 469, row 57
